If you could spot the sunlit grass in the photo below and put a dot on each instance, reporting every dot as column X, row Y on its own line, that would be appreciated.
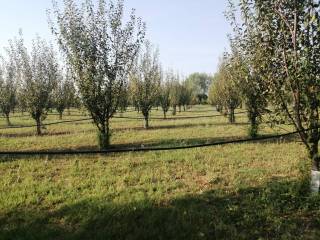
column 238, row 191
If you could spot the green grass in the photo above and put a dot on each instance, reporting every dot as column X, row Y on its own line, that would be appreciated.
column 240, row 191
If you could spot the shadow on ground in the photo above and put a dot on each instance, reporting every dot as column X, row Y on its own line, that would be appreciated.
column 33, row 134
column 178, row 126
column 173, row 126
column 278, row 210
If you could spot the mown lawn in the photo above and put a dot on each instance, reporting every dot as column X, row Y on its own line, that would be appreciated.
column 240, row 191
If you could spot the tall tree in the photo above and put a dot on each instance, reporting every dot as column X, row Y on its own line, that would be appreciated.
column 100, row 49
column 146, row 78
column 246, row 59
column 291, row 36
column 38, row 72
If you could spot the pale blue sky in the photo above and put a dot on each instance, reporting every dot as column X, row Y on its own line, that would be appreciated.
column 191, row 34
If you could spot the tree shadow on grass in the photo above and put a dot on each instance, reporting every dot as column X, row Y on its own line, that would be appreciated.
column 121, row 129
column 177, row 126
column 277, row 210
column 33, row 134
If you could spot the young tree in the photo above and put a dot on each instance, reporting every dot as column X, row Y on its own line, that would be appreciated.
column 124, row 99
column 100, row 49
column 199, row 84
column 224, row 91
column 164, row 97
column 146, row 78
column 72, row 97
column 38, row 75
column 246, row 59
column 174, row 91
column 214, row 98
column 21, row 104
column 8, row 87
column 185, row 96
column 63, row 96
column 290, row 35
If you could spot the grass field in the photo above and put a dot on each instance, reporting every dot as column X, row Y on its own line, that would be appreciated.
column 239, row 191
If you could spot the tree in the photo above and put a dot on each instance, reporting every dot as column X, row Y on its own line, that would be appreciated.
column 246, row 59
column 214, row 98
column 38, row 72
column 8, row 86
column 199, row 84
column 72, row 97
column 290, row 35
column 164, row 96
column 100, row 49
column 146, row 78
column 175, row 91
column 185, row 96
column 124, row 99
column 224, row 91
column 64, row 93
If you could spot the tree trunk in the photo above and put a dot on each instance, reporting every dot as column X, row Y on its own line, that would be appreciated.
column 104, row 136
column 38, row 121
column 60, row 115
column 8, row 120
column 174, row 111
column 253, row 130
column 179, row 108
column 184, row 108
column 164, row 115
column 146, row 121
column 231, row 116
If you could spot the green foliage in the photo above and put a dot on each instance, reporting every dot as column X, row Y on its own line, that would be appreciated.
column 185, row 95
column 286, row 39
column 8, row 86
column 199, row 84
column 164, row 96
column 145, row 81
column 37, row 72
column 64, row 93
column 100, row 49
column 175, row 92
column 223, row 91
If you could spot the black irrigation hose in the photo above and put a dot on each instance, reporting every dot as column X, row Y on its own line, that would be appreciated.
column 148, row 149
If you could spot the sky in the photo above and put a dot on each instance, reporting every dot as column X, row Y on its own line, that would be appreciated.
column 191, row 34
